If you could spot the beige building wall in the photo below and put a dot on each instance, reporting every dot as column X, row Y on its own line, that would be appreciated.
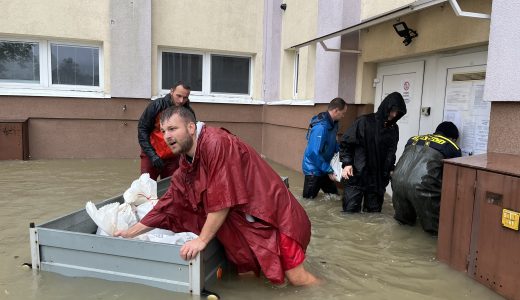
column 81, row 21
column 371, row 8
column 62, row 127
column 232, row 26
column 298, row 26
column 439, row 30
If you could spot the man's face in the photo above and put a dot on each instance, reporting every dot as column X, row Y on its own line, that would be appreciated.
column 338, row 114
column 178, row 134
column 180, row 95
column 393, row 113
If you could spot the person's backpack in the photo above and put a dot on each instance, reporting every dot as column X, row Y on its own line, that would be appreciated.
column 314, row 120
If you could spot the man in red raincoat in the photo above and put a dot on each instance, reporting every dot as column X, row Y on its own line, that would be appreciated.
column 223, row 188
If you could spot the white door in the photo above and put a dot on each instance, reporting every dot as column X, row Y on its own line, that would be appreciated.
column 407, row 79
column 461, row 81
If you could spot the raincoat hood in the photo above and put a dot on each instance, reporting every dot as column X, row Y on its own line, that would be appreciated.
column 392, row 101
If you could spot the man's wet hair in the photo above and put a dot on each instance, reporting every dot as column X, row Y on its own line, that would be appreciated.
column 185, row 113
column 338, row 103
column 181, row 83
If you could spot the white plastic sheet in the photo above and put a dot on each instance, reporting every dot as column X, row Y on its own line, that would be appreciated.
column 335, row 163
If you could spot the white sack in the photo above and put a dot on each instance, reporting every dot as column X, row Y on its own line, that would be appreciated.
column 141, row 190
column 111, row 217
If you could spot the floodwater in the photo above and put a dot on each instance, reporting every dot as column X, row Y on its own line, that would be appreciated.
column 363, row 256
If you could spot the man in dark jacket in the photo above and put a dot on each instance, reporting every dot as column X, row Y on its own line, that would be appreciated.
column 417, row 179
column 367, row 154
column 156, row 157
column 321, row 146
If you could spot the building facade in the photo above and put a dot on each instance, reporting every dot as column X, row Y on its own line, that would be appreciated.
column 80, row 73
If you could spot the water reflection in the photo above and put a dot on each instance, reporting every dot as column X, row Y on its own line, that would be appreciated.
column 362, row 256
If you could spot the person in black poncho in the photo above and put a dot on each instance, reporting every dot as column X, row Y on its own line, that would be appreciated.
column 367, row 154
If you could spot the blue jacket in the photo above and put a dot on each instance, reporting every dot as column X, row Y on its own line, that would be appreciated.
column 321, row 145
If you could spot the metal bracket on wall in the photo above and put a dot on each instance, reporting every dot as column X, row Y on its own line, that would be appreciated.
column 339, row 50
column 460, row 13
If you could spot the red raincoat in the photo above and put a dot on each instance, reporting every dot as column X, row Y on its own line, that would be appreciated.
column 226, row 172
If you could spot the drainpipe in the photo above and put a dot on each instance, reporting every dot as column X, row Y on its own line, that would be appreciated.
column 460, row 13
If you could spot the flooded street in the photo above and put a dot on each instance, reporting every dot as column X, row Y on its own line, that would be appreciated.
column 363, row 256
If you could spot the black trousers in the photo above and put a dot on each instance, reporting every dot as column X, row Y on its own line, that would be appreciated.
column 313, row 184
column 353, row 196
column 412, row 204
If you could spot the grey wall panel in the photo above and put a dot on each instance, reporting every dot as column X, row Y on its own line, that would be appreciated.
column 130, row 48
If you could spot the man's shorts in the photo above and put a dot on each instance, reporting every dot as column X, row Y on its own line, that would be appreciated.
column 291, row 253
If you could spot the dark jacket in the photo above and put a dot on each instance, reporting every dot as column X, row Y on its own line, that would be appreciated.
column 321, row 145
column 417, row 179
column 147, row 122
column 370, row 143
column 437, row 141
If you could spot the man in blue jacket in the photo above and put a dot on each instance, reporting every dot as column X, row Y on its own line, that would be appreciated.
column 321, row 146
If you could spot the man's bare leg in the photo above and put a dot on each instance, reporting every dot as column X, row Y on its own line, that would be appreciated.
column 298, row 276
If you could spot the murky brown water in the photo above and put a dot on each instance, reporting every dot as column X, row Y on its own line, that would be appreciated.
column 366, row 256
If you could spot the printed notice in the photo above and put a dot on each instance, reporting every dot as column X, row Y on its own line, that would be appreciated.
column 480, row 107
column 454, row 117
column 467, row 139
column 481, row 134
column 406, row 90
column 457, row 96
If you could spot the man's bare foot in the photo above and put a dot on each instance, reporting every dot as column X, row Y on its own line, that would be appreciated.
column 298, row 276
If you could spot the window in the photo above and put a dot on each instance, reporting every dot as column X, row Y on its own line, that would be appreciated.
column 229, row 74
column 208, row 74
column 41, row 67
column 19, row 62
column 181, row 67
column 75, row 65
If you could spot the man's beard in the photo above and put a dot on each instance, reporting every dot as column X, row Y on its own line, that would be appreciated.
column 184, row 145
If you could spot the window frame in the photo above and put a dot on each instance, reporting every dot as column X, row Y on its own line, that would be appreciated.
column 45, row 87
column 206, row 95
column 296, row 73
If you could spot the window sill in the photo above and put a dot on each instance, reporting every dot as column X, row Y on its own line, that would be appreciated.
column 244, row 100
column 220, row 99
column 292, row 102
column 52, row 93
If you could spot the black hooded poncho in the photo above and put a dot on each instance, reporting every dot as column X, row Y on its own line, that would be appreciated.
column 369, row 145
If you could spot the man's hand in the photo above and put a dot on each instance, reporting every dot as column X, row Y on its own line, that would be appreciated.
column 157, row 162
column 347, row 172
column 122, row 233
column 133, row 231
column 192, row 248
column 332, row 176
column 210, row 228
